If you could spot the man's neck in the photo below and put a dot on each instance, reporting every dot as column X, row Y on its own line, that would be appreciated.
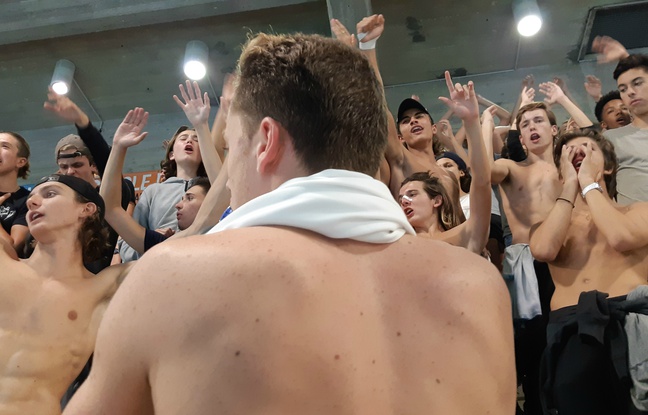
column 545, row 155
column 9, row 182
column 423, row 152
column 186, row 173
column 61, row 259
column 640, row 121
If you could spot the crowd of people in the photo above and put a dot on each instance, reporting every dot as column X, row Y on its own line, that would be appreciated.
column 313, row 253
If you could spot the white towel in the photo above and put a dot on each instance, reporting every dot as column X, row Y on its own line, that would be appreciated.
column 338, row 204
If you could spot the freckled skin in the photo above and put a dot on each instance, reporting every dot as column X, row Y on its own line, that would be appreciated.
column 326, row 342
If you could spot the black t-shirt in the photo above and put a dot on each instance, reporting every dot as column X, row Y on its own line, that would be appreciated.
column 14, row 210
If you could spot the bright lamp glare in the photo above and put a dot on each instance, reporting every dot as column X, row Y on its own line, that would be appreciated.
column 529, row 25
column 60, row 88
column 195, row 70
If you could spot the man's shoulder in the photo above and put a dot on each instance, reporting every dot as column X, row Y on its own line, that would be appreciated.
column 626, row 130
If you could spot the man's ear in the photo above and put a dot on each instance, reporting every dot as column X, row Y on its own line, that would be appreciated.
column 271, row 145
column 171, row 156
column 554, row 130
column 434, row 129
column 21, row 162
column 88, row 209
column 603, row 125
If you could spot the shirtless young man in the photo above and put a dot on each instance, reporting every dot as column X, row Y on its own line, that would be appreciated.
column 528, row 190
column 425, row 201
column 277, row 319
column 50, row 305
column 591, row 243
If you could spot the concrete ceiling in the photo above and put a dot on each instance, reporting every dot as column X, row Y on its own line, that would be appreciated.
column 129, row 52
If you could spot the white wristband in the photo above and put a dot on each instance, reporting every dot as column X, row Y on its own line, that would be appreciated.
column 368, row 45
column 591, row 187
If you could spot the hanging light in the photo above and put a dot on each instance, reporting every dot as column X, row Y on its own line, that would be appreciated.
column 527, row 17
column 62, row 77
column 195, row 60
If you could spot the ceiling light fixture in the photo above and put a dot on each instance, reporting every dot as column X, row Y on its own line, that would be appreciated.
column 62, row 77
column 195, row 60
column 527, row 17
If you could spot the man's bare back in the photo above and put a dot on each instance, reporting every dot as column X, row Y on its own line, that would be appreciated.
column 48, row 328
column 275, row 320
column 528, row 194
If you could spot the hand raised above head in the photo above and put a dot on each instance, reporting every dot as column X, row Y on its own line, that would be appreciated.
column 195, row 106
column 342, row 34
column 608, row 49
column 64, row 108
column 129, row 132
column 552, row 91
column 371, row 26
column 593, row 87
column 462, row 101
column 527, row 96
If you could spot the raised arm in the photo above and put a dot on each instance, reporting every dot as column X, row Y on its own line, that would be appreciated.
column 218, row 129
column 448, row 140
column 608, row 49
column 503, row 115
column 625, row 230
column 64, row 108
column 129, row 133
column 196, row 107
column 472, row 234
column 593, row 87
column 555, row 95
column 547, row 237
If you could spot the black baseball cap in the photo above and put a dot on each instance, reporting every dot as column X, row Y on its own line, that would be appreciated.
column 408, row 104
column 80, row 186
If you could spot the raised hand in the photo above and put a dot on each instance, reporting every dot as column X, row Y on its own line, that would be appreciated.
column 552, row 92
column 444, row 133
column 567, row 170
column 588, row 172
column 342, row 34
column 527, row 96
column 371, row 26
column 593, row 87
column 528, row 81
column 195, row 106
column 416, row 98
column 65, row 109
column 462, row 101
column 489, row 114
column 129, row 132
column 228, row 92
column 608, row 49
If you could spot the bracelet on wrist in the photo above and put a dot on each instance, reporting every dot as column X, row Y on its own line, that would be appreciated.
column 566, row 200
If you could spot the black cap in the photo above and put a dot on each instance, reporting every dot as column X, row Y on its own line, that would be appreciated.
column 80, row 186
column 454, row 157
column 408, row 104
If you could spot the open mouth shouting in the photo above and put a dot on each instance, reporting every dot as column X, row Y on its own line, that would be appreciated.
column 416, row 129
column 535, row 137
column 33, row 215
column 408, row 212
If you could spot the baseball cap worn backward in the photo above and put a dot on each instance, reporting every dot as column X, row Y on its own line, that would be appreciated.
column 408, row 104
column 74, row 141
column 80, row 186
column 454, row 157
